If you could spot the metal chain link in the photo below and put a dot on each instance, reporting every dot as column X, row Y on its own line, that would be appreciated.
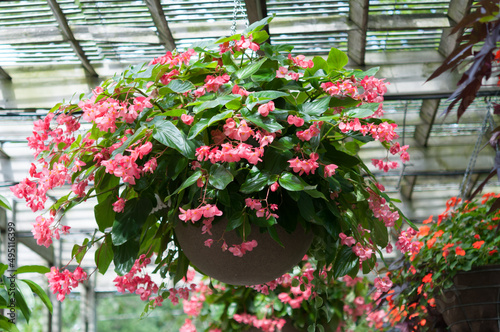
column 487, row 122
column 238, row 8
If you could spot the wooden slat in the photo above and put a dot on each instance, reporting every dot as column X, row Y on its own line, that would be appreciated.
column 161, row 24
column 4, row 75
column 68, row 34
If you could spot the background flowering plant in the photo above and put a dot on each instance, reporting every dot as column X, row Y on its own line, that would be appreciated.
column 262, row 138
column 292, row 302
column 463, row 236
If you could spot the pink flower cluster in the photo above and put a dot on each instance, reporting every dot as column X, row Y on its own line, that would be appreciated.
column 43, row 232
column 306, row 135
column 373, row 89
column 359, row 308
column 174, row 60
column 240, row 45
column 385, row 165
column 381, row 209
column 346, row 240
column 265, row 324
column 63, row 282
column 362, row 252
column 285, row 281
column 239, row 250
column 264, row 109
column 139, row 282
column 295, row 120
column 402, row 150
column 188, row 326
column 300, row 61
column 298, row 294
column 255, row 204
column 306, row 165
column 42, row 132
column 404, row 243
column 383, row 284
column 283, row 72
column 206, row 211
column 229, row 154
column 125, row 166
column 382, row 132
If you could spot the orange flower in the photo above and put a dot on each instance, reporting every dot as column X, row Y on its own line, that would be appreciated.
column 423, row 322
column 432, row 302
column 477, row 236
column 419, row 289
column 413, row 315
column 494, row 251
column 459, row 251
column 438, row 233
column 413, row 305
column 412, row 269
column 427, row 278
column 477, row 244
column 428, row 220
column 423, row 231
column 431, row 242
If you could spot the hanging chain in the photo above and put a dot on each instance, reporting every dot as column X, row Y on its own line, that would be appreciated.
column 238, row 8
column 487, row 123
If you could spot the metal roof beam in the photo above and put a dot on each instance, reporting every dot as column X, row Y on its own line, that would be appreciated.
column 428, row 113
column 256, row 11
column 68, row 35
column 407, row 186
column 4, row 75
column 457, row 10
column 358, row 14
column 161, row 24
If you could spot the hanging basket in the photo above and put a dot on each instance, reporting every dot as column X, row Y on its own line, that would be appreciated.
column 264, row 263
column 473, row 303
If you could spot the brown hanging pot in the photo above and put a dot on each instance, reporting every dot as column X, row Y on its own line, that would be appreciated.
column 264, row 263
column 473, row 303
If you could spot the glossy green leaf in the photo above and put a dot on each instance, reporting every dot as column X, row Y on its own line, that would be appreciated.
column 345, row 261
column 35, row 288
column 337, row 59
column 188, row 182
column 24, row 299
column 259, row 25
column 380, row 234
column 7, row 325
column 180, row 86
column 128, row 224
column 363, row 111
column 167, row 133
column 255, row 181
column 104, row 255
column 315, row 108
column 292, row 182
column 248, row 71
column 32, row 269
column 268, row 95
column 5, row 203
column 125, row 256
column 267, row 123
column 197, row 128
column 104, row 214
column 219, row 176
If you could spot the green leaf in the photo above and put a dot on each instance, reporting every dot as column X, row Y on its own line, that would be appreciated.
column 5, row 203
column 370, row 72
column 268, row 123
column 255, row 181
column 220, row 116
column 3, row 268
column 219, row 176
column 221, row 101
column 260, row 36
column 249, row 70
column 336, row 59
column 35, row 288
column 24, row 299
column 293, row 183
column 7, row 325
column 274, row 234
column 380, row 234
column 104, row 255
column 32, row 269
column 167, row 133
column 197, row 128
column 363, row 111
column 346, row 260
column 128, row 224
column 257, row 26
column 180, row 86
column 125, row 256
column 182, row 267
column 104, row 213
column 188, row 182
column 315, row 194
column 268, row 95
column 315, row 108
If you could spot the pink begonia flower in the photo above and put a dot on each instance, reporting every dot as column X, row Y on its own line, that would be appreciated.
column 295, row 120
column 63, row 282
column 281, row 72
column 346, row 240
column 244, row 131
column 253, row 204
column 274, row 186
column 383, row 284
column 266, row 108
column 187, row 326
column 209, row 242
column 119, row 205
column 42, row 232
column 150, row 165
column 239, row 91
column 362, row 252
column 187, row 119
column 295, row 76
column 330, row 170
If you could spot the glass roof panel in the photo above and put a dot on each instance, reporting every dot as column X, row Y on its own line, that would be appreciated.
column 203, row 10
column 24, row 13
column 391, row 7
column 308, row 8
column 403, row 40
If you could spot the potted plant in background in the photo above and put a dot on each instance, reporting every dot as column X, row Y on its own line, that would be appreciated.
column 454, row 273
column 292, row 303
column 214, row 140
